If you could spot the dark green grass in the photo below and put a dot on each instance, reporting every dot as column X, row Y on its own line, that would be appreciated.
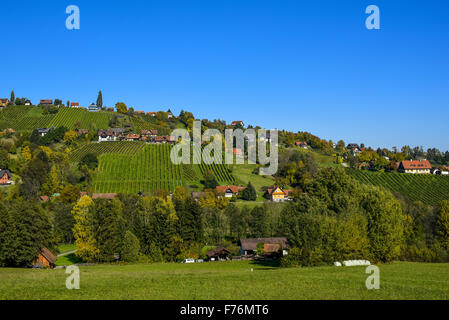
column 229, row 280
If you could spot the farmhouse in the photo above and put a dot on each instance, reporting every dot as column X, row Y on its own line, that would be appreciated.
column 46, row 101
column 74, row 105
column 93, row 108
column 43, row 131
column 277, row 194
column 110, row 135
column 219, row 254
column 248, row 247
column 164, row 139
column 149, row 133
column 415, row 166
column 133, row 137
column 28, row 102
column 302, row 144
column 46, row 259
column 82, row 132
column 4, row 102
column 238, row 122
column 5, row 177
column 152, row 114
column 229, row 191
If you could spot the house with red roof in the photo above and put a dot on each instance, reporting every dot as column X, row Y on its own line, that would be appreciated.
column 415, row 166
column 229, row 191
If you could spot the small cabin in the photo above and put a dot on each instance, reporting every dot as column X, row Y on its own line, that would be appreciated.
column 45, row 259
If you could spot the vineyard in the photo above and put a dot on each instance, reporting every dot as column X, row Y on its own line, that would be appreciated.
column 150, row 169
column 23, row 118
column 430, row 189
column 130, row 167
column 115, row 147
column 68, row 117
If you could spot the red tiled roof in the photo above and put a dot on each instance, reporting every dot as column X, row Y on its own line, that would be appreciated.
column 286, row 192
column 234, row 189
column 133, row 136
column 75, row 104
column 415, row 164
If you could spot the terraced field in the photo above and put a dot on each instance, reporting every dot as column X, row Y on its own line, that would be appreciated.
column 430, row 189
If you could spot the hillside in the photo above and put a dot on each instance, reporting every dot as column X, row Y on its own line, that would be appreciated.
column 430, row 189
column 130, row 167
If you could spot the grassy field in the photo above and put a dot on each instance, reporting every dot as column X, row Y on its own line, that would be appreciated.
column 228, row 280
column 244, row 173
column 430, row 189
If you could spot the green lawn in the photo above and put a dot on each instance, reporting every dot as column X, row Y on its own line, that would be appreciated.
column 66, row 248
column 244, row 173
column 229, row 280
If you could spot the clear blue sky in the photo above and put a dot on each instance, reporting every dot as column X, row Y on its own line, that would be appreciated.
column 298, row 65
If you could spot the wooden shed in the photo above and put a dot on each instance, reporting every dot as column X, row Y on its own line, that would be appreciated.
column 219, row 254
column 46, row 259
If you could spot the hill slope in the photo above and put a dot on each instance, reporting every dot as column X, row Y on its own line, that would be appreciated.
column 430, row 189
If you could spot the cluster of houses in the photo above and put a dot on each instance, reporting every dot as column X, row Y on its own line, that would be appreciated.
column 149, row 136
column 275, row 194
column 250, row 248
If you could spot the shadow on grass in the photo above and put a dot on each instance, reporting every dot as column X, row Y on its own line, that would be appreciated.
column 68, row 260
column 267, row 264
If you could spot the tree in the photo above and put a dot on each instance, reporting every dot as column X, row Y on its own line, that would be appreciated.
column 83, row 230
column 13, row 97
column 90, row 160
column 70, row 137
column 121, row 107
column 258, row 223
column 131, row 248
column 249, row 193
column 108, row 228
column 385, row 223
column 209, row 180
column 58, row 102
column 63, row 222
column 24, row 230
column 443, row 223
column 100, row 100
column 26, row 153
column 4, row 159
column 51, row 184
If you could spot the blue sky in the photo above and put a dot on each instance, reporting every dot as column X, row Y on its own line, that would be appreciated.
column 296, row 65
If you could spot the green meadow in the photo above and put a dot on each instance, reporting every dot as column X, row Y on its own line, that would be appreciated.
column 228, row 281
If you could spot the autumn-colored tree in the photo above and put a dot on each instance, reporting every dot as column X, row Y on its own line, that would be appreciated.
column 121, row 107
column 26, row 153
column 83, row 231
column 70, row 137
column 52, row 184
